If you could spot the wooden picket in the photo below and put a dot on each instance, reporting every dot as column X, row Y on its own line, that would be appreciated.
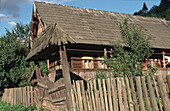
column 21, row 95
column 122, row 94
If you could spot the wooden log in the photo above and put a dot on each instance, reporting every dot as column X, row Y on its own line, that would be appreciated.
column 57, row 89
column 164, row 95
column 133, row 94
column 152, row 95
column 145, row 93
column 101, row 95
column 79, row 95
column 92, row 95
column 119, row 88
column 139, row 93
column 126, row 107
column 109, row 95
column 83, row 95
column 66, row 75
column 105, row 95
column 114, row 94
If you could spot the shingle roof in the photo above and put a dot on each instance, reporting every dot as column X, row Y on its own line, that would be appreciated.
column 90, row 26
column 53, row 35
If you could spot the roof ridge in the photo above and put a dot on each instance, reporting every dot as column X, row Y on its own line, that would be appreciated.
column 101, row 11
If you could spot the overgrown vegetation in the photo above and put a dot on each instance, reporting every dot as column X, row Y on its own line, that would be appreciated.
column 126, row 56
column 7, row 107
column 14, row 70
column 161, row 11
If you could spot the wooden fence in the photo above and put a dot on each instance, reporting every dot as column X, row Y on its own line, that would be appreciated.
column 122, row 94
column 20, row 95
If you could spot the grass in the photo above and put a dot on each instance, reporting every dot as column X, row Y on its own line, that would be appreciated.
column 7, row 107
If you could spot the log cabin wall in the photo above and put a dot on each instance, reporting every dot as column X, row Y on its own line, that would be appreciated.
column 85, row 60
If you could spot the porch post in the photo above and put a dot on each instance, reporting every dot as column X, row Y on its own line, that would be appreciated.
column 67, row 78
column 163, row 55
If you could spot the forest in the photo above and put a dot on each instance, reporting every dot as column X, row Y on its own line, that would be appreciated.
column 161, row 11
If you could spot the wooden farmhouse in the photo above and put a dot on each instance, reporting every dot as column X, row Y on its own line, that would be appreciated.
column 73, row 40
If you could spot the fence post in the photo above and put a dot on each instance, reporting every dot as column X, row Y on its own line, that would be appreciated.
column 152, row 94
column 140, row 95
column 163, row 93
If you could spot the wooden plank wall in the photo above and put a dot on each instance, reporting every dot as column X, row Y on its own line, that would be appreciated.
column 122, row 94
column 20, row 95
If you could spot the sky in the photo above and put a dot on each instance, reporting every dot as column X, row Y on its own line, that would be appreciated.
column 20, row 11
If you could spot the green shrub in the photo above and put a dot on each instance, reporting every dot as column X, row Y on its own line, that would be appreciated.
column 7, row 107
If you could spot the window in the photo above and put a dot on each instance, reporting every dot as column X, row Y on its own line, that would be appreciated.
column 87, row 63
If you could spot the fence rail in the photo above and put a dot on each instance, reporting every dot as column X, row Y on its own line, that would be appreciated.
column 122, row 94
column 20, row 95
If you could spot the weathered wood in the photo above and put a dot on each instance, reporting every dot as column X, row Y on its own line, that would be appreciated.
column 119, row 88
column 139, row 93
column 59, row 100
column 73, row 97
column 126, row 107
column 83, row 95
column 47, row 99
column 56, row 89
column 129, row 95
column 79, row 95
column 168, row 80
column 114, row 94
column 92, row 95
column 42, row 85
column 96, row 95
column 89, row 95
column 109, row 95
column 28, row 95
column 145, row 93
column 101, row 95
column 157, row 94
column 37, row 70
column 133, row 94
column 32, row 102
column 75, row 93
column 66, row 75
column 105, row 95
column 152, row 95
column 163, row 92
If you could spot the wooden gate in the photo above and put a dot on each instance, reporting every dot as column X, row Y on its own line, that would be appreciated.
column 51, row 95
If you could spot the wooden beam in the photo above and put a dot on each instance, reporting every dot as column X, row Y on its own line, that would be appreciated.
column 67, row 78
column 163, row 56
column 37, row 70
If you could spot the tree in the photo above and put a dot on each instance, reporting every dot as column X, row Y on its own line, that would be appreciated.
column 161, row 11
column 128, row 55
column 145, row 8
column 20, row 32
column 14, row 70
